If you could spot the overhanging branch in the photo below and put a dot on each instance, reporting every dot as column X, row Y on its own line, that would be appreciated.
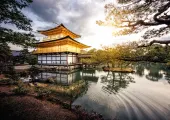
column 160, row 11
column 155, row 41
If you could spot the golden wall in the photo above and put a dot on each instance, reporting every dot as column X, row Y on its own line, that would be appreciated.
column 54, row 37
column 61, row 48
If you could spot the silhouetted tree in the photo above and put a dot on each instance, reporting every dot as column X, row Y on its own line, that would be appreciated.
column 10, row 13
column 132, row 16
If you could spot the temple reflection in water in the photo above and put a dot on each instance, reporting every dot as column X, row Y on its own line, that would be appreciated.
column 67, row 78
column 63, row 77
column 89, row 75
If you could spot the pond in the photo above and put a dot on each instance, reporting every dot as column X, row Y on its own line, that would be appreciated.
column 143, row 95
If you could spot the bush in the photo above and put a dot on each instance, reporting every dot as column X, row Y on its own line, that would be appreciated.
column 8, row 81
column 12, row 74
column 21, row 89
column 42, row 92
column 33, row 71
column 50, row 80
column 24, row 74
column 168, row 64
column 32, row 60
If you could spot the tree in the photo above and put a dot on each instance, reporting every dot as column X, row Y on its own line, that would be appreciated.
column 132, row 16
column 5, row 55
column 24, row 55
column 91, row 51
column 27, row 57
column 32, row 59
column 10, row 13
column 112, row 56
column 5, row 52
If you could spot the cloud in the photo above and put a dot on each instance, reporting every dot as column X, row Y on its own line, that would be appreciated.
column 77, row 15
column 46, row 10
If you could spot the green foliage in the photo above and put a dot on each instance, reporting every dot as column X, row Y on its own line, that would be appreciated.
column 7, row 81
column 17, row 38
column 86, row 60
column 5, row 57
column 91, row 51
column 5, row 52
column 21, row 89
column 25, row 57
column 50, row 80
column 10, row 13
column 33, row 71
column 168, row 64
column 120, row 55
column 112, row 55
column 12, row 74
column 43, row 92
column 32, row 60
column 73, row 90
column 23, row 74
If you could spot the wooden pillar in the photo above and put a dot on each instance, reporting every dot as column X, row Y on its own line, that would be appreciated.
column 72, row 58
column 67, row 61
column 46, row 59
column 67, row 58
column 41, row 61
column 60, row 58
column 51, row 59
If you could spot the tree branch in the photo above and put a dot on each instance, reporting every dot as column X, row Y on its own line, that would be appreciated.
column 160, row 11
column 155, row 41
column 140, row 22
column 158, row 21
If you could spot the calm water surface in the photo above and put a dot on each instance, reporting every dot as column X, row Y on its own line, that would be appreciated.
column 143, row 95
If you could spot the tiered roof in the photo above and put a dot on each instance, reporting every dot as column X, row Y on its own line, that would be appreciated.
column 58, row 30
column 59, row 36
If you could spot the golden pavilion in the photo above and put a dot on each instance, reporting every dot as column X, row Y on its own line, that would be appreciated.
column 59, row 47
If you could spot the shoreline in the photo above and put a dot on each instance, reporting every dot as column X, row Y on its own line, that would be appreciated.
column 31, row 107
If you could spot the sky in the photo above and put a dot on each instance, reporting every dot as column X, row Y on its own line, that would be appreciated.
column 79, row 16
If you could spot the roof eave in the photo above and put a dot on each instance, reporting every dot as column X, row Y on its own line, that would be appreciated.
column 40, row 31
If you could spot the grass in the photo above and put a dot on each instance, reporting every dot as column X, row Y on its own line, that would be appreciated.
column 21, row 89
column 64, row 90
